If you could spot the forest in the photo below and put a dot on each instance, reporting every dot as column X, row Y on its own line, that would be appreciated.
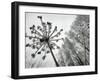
column 75, row 50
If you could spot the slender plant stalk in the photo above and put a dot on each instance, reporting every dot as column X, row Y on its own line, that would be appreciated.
column 53, row 56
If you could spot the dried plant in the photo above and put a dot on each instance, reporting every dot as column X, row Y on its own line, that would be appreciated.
column 43, row 38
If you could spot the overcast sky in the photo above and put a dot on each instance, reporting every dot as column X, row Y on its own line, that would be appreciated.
column 60, row 20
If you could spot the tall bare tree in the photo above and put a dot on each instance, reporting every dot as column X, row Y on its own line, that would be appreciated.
column 76, row 45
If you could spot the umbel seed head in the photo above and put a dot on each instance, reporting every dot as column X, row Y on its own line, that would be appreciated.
column 43, row 37
column 39, row 17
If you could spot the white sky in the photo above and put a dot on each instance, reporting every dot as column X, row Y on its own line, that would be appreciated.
column 62, row 21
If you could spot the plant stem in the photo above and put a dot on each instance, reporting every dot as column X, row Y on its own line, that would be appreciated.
column 53, row 55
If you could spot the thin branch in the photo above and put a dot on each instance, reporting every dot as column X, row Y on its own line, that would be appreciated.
column 38, row 33
column 43, row 24
column 39, row 49
column 55, row 29
column 82, row 44
column 39, row 27
column 33, row 37
column 49, row 27
column 58, row 33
